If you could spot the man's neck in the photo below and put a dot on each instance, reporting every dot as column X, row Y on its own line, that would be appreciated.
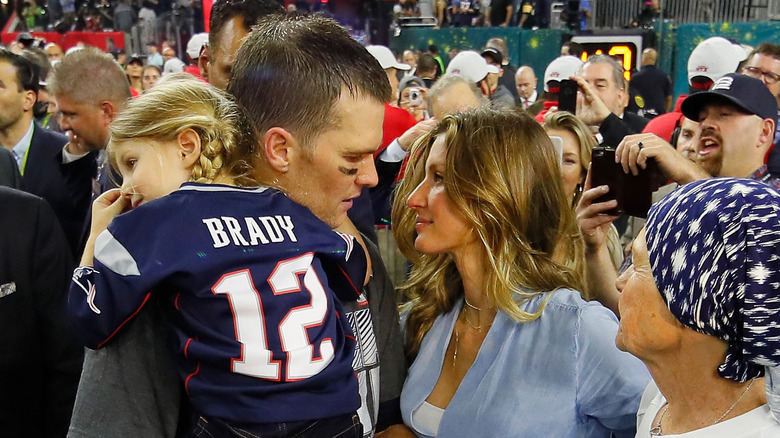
column 10, row 136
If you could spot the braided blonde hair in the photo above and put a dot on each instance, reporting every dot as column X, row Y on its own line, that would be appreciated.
column 180, row 102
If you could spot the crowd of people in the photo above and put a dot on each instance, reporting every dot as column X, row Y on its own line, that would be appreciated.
column 526, row 14
column 213, row 235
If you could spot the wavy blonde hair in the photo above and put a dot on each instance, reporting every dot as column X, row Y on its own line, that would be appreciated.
column 503, row 178
column 567, row 121
column 180, row 102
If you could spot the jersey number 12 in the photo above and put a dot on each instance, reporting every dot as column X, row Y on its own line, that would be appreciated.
column 256, row 359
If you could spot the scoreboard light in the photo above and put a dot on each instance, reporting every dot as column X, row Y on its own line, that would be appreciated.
column 627, row 49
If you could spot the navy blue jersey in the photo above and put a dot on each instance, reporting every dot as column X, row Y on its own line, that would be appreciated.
column 252, row 282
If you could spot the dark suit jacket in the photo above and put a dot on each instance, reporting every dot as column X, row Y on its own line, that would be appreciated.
column 40, row 364
column 9, row 171
column 613, row 129
column 66, row 187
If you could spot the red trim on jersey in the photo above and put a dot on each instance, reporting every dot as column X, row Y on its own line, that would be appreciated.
column 187, row 380
column 357, row 291
column 186, row 347
column 146, row 298
column 176, row 301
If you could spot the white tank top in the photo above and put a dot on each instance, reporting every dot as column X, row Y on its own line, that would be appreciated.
column 427, row 418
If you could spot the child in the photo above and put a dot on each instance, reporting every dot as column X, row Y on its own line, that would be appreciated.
column 246, row 276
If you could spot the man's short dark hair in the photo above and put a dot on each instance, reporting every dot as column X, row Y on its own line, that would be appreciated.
column 40, row 60
column 291, row 71
column 575, row 49
column 249, row 10
column 427, row 63
column 27, row 73
column 768, row 49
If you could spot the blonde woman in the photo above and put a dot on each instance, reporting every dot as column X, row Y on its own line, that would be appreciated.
column 501, row 342
column 578, row 143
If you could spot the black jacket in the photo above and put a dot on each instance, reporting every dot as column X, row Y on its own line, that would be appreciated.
column 40, row 364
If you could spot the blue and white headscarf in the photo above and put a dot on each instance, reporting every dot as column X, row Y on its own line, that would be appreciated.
column 714, row 248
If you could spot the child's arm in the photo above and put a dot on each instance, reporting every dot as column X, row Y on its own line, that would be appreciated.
column 105, row 208
column 108, row 289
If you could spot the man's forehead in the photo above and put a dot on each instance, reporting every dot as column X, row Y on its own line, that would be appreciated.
column 758, row 57
column 596, row 72
column 229, row 38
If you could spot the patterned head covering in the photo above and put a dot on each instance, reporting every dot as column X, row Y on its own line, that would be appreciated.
column 714, row 248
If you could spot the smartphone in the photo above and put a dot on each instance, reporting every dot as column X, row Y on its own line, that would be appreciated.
column 634, row 193
column 557, row 142
column 605, row 172
column 567, row 96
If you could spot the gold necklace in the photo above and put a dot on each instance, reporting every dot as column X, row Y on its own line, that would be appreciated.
column 455, row 353
column 477, row 328
column 657, row 431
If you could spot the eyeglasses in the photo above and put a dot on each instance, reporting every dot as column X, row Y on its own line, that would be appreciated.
column 755, row 72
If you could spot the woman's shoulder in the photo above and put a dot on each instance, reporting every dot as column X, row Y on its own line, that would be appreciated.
column 566, row 307
column 558, row 300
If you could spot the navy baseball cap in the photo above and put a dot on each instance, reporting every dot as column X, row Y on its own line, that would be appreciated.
column 747, row 93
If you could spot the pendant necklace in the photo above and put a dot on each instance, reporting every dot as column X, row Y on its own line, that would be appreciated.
column 657, row 431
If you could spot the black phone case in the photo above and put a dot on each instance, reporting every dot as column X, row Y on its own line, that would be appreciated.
column 567, row 96
column 634, row 193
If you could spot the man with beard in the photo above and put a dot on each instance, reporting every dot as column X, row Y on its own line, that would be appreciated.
column 736, row 129
column 46, row 171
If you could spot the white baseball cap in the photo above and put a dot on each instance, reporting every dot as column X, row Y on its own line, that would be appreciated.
column 562, row 67
column 173, row 65
column 471, row 65
column 386, row 58
column 715, row 57
column 196, row 43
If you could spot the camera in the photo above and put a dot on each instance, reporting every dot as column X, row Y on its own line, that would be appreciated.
column 633, row 193
column 415, row 96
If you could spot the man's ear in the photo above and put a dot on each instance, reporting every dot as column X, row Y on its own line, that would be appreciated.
column 108, row 112
column 279, row 148
column 189, row 147
column 767, row 136
column 30, row 97
column 203, row 62
column 484, row 87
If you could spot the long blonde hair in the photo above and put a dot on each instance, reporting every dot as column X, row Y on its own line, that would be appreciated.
column 567, row 121
column 180, row 102
column 502, row 176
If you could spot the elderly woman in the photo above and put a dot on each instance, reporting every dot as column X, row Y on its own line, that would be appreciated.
column 502, row 344
column 700, row 308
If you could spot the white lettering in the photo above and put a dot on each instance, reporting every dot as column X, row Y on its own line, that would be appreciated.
column 235, row 231
column 219, row 237
column 286, row 223
column 260, row 230
column 255, row 233
column 272, row 229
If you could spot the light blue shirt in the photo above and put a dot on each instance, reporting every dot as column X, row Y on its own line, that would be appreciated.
column 21, row 148
column 558, row 376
